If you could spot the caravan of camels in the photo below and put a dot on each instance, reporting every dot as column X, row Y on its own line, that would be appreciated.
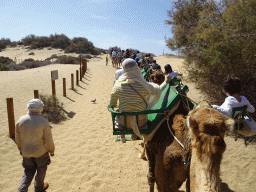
column 183, row 142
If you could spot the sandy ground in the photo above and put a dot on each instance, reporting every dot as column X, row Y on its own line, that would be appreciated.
column 87, row 158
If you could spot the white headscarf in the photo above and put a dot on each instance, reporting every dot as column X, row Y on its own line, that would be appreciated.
column 132, row 73
column 118, row 73
column 35, row 106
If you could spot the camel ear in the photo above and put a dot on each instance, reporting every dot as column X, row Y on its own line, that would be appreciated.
column 229, row 124
column 191, row 122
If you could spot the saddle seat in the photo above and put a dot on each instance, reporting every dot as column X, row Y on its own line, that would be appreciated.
column 168, row 100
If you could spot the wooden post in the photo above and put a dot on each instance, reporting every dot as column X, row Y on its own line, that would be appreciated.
column 80, row 70
column 36, row 94
column 11, row 120
column 53, row 87
column 77, row 77
column 81, row 73
column 85, row 65
column 64, row 87
column 72, row 81
column 83, row 69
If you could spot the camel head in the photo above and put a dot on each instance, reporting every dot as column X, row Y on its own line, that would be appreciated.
column 207, row 128
column 157, row 78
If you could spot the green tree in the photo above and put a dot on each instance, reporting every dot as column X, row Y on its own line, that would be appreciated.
column 4, row 42
column 59, row 41
column 82, row 45
column 28, row 39
column 218, row 39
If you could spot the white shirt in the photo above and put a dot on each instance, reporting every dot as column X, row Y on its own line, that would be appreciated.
column 139, row 55
column 173, row 74
column 230, row 103
column 113, row 54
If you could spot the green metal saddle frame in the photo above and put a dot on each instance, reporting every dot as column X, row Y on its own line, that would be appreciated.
column 168, row 99
column 145, row 72
column 240, row 115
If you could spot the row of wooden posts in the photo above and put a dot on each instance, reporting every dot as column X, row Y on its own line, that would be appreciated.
column 10, row 109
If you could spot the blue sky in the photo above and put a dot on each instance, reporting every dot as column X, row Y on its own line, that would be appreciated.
column 123, row 23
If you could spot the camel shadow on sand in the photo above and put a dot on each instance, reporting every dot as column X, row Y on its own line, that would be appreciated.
column 224, row 188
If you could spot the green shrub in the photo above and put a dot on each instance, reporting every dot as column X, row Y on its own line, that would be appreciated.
column 3, row 67
column 17, row 67
column 28, row 64
column 5, row 63
column 81, row 45
column 19, row 43
column 59, row 41
column 28, row 40
column 6, row 60
column 53, row 109
column 4, row 42
column 76, row 45
column 29, row 59
column 67, row 60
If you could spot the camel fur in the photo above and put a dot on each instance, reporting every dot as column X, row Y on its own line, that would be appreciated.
column 206, row 128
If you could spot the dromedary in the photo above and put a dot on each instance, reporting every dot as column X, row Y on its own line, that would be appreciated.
column 206, row 128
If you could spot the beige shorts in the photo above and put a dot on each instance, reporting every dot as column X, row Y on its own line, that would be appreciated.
column 119, row 122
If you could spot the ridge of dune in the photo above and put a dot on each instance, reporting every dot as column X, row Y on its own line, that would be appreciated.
column 21, row 53
column 87, row 158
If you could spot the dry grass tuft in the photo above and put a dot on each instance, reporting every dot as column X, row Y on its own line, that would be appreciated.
column 53, row 109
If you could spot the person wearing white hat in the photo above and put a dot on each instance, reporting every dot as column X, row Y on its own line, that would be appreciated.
column 33, row 137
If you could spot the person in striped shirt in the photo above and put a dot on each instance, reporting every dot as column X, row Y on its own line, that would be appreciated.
column 134, row 94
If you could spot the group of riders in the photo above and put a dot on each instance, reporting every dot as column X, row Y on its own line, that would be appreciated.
column 138, row 86
column 134, row 89
column 118, row 56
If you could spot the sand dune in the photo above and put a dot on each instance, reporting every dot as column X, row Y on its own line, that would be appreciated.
column 22, row 52
column 87, row 158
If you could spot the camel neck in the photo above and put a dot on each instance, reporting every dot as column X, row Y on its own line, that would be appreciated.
column 204, row 173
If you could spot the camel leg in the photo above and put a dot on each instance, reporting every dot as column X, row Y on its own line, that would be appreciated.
column 151, row 171
column 151, row 187
column 143, row 154
column 188, row 182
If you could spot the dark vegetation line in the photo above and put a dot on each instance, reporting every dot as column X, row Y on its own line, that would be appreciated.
column 79, row 45
column 75, row 45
